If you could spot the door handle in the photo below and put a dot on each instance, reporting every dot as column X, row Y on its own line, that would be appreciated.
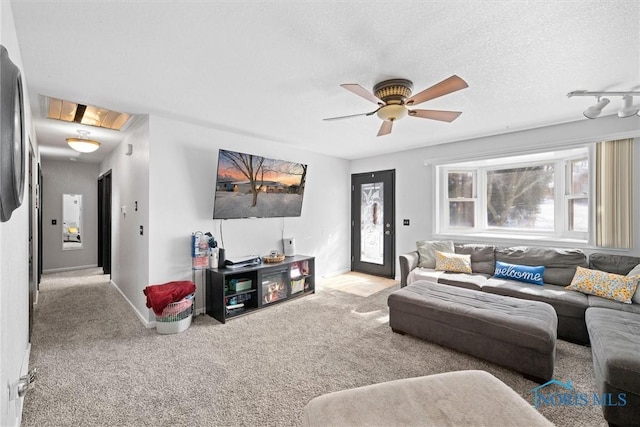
column 20, row 387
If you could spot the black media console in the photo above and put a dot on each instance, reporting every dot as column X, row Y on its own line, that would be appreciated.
column 233, row 292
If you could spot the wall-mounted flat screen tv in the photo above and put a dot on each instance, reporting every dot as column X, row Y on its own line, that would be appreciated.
column 250, row 186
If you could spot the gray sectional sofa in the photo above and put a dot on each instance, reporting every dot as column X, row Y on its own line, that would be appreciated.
column 610, row 327
column 560, row 267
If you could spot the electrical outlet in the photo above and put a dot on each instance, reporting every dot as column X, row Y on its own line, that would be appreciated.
column 405, row 222
column 141, row 230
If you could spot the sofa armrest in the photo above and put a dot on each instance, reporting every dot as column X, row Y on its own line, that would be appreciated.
column 408, row 262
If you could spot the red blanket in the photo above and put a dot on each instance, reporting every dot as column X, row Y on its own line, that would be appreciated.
column 159, row 296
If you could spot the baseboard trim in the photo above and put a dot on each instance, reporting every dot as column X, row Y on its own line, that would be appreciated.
column 78, row 267
column 147, row 324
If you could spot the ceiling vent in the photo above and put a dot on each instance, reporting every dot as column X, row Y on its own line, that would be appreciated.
column 89, row 115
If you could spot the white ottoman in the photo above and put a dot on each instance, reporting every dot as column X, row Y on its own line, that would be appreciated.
column 463, row 398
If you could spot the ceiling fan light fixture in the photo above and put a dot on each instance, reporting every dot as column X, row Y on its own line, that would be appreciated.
column 392, row 112
column 595, row 110
column 82, row 144
column 627, row 109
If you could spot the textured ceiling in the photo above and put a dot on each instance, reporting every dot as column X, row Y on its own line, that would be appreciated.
column 273, row 69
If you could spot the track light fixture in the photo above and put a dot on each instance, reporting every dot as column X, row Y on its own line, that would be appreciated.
column 595, row 110
column 627, row 109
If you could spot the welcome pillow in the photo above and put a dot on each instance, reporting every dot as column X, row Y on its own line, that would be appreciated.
column 603, row 284
column 455, row 263
column 426, row 250
column 521, row 273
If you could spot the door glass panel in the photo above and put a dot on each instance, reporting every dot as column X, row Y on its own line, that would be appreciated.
column 372, row 223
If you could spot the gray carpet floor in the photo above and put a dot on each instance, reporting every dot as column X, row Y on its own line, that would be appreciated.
column 98, row 365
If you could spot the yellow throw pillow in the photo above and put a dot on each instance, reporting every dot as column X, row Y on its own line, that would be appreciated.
column 603, row 284
column 456, row 263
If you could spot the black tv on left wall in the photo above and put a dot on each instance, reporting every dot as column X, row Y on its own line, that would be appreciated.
column 251, row 186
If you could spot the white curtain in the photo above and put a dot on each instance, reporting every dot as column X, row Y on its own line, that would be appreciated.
column 614, row 194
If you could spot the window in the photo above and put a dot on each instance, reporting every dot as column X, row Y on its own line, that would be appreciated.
column 539, row 194
column 521, row 198
column 461, row 200
column 578, row 195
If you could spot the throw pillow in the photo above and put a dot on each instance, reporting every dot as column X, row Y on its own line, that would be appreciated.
column 426, row 250
column 635, row 271
column 455, row 263
column 521, row 273
column 603, row 284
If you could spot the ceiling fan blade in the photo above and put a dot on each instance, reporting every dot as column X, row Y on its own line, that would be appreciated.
column 443, row 116
column 385, row 128
column 360, row 91
column 445, row 87
column 350, row 116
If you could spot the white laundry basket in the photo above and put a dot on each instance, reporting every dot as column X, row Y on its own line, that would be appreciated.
column 176, row 317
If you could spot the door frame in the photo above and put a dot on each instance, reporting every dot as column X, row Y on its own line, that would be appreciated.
column 388, row 269
column 33, row 237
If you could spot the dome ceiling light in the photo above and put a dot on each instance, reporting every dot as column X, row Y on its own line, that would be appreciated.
column 82, row 143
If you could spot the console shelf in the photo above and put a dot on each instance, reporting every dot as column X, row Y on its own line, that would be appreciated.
column 262, row 285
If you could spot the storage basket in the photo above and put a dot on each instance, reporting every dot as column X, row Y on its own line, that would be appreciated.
column 273, row 259
column 239, row 285
column 176, row 316
column 297, row 285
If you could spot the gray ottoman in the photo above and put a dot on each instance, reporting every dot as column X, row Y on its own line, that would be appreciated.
column 518, row 334
column 464, row 398
column 615, row 345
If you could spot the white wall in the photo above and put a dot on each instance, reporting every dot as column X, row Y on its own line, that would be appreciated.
column 130, row 183
column 14, row 264
column 183, row 164
column 415, row 185
column 67, row 177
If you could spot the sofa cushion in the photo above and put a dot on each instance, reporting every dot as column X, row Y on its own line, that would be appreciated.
column 600, row 302
column 603, row 284
column 420, row 273
column 560, row 264
column 618, row 264
column 427, row 248
column 521, row 273
column 567, row 303
column 483, row 257
column 453, row 262
column 635, row 271
column 473, row 281
column 615, row 345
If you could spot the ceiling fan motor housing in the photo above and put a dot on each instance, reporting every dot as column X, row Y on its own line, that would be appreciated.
column 393, row 90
